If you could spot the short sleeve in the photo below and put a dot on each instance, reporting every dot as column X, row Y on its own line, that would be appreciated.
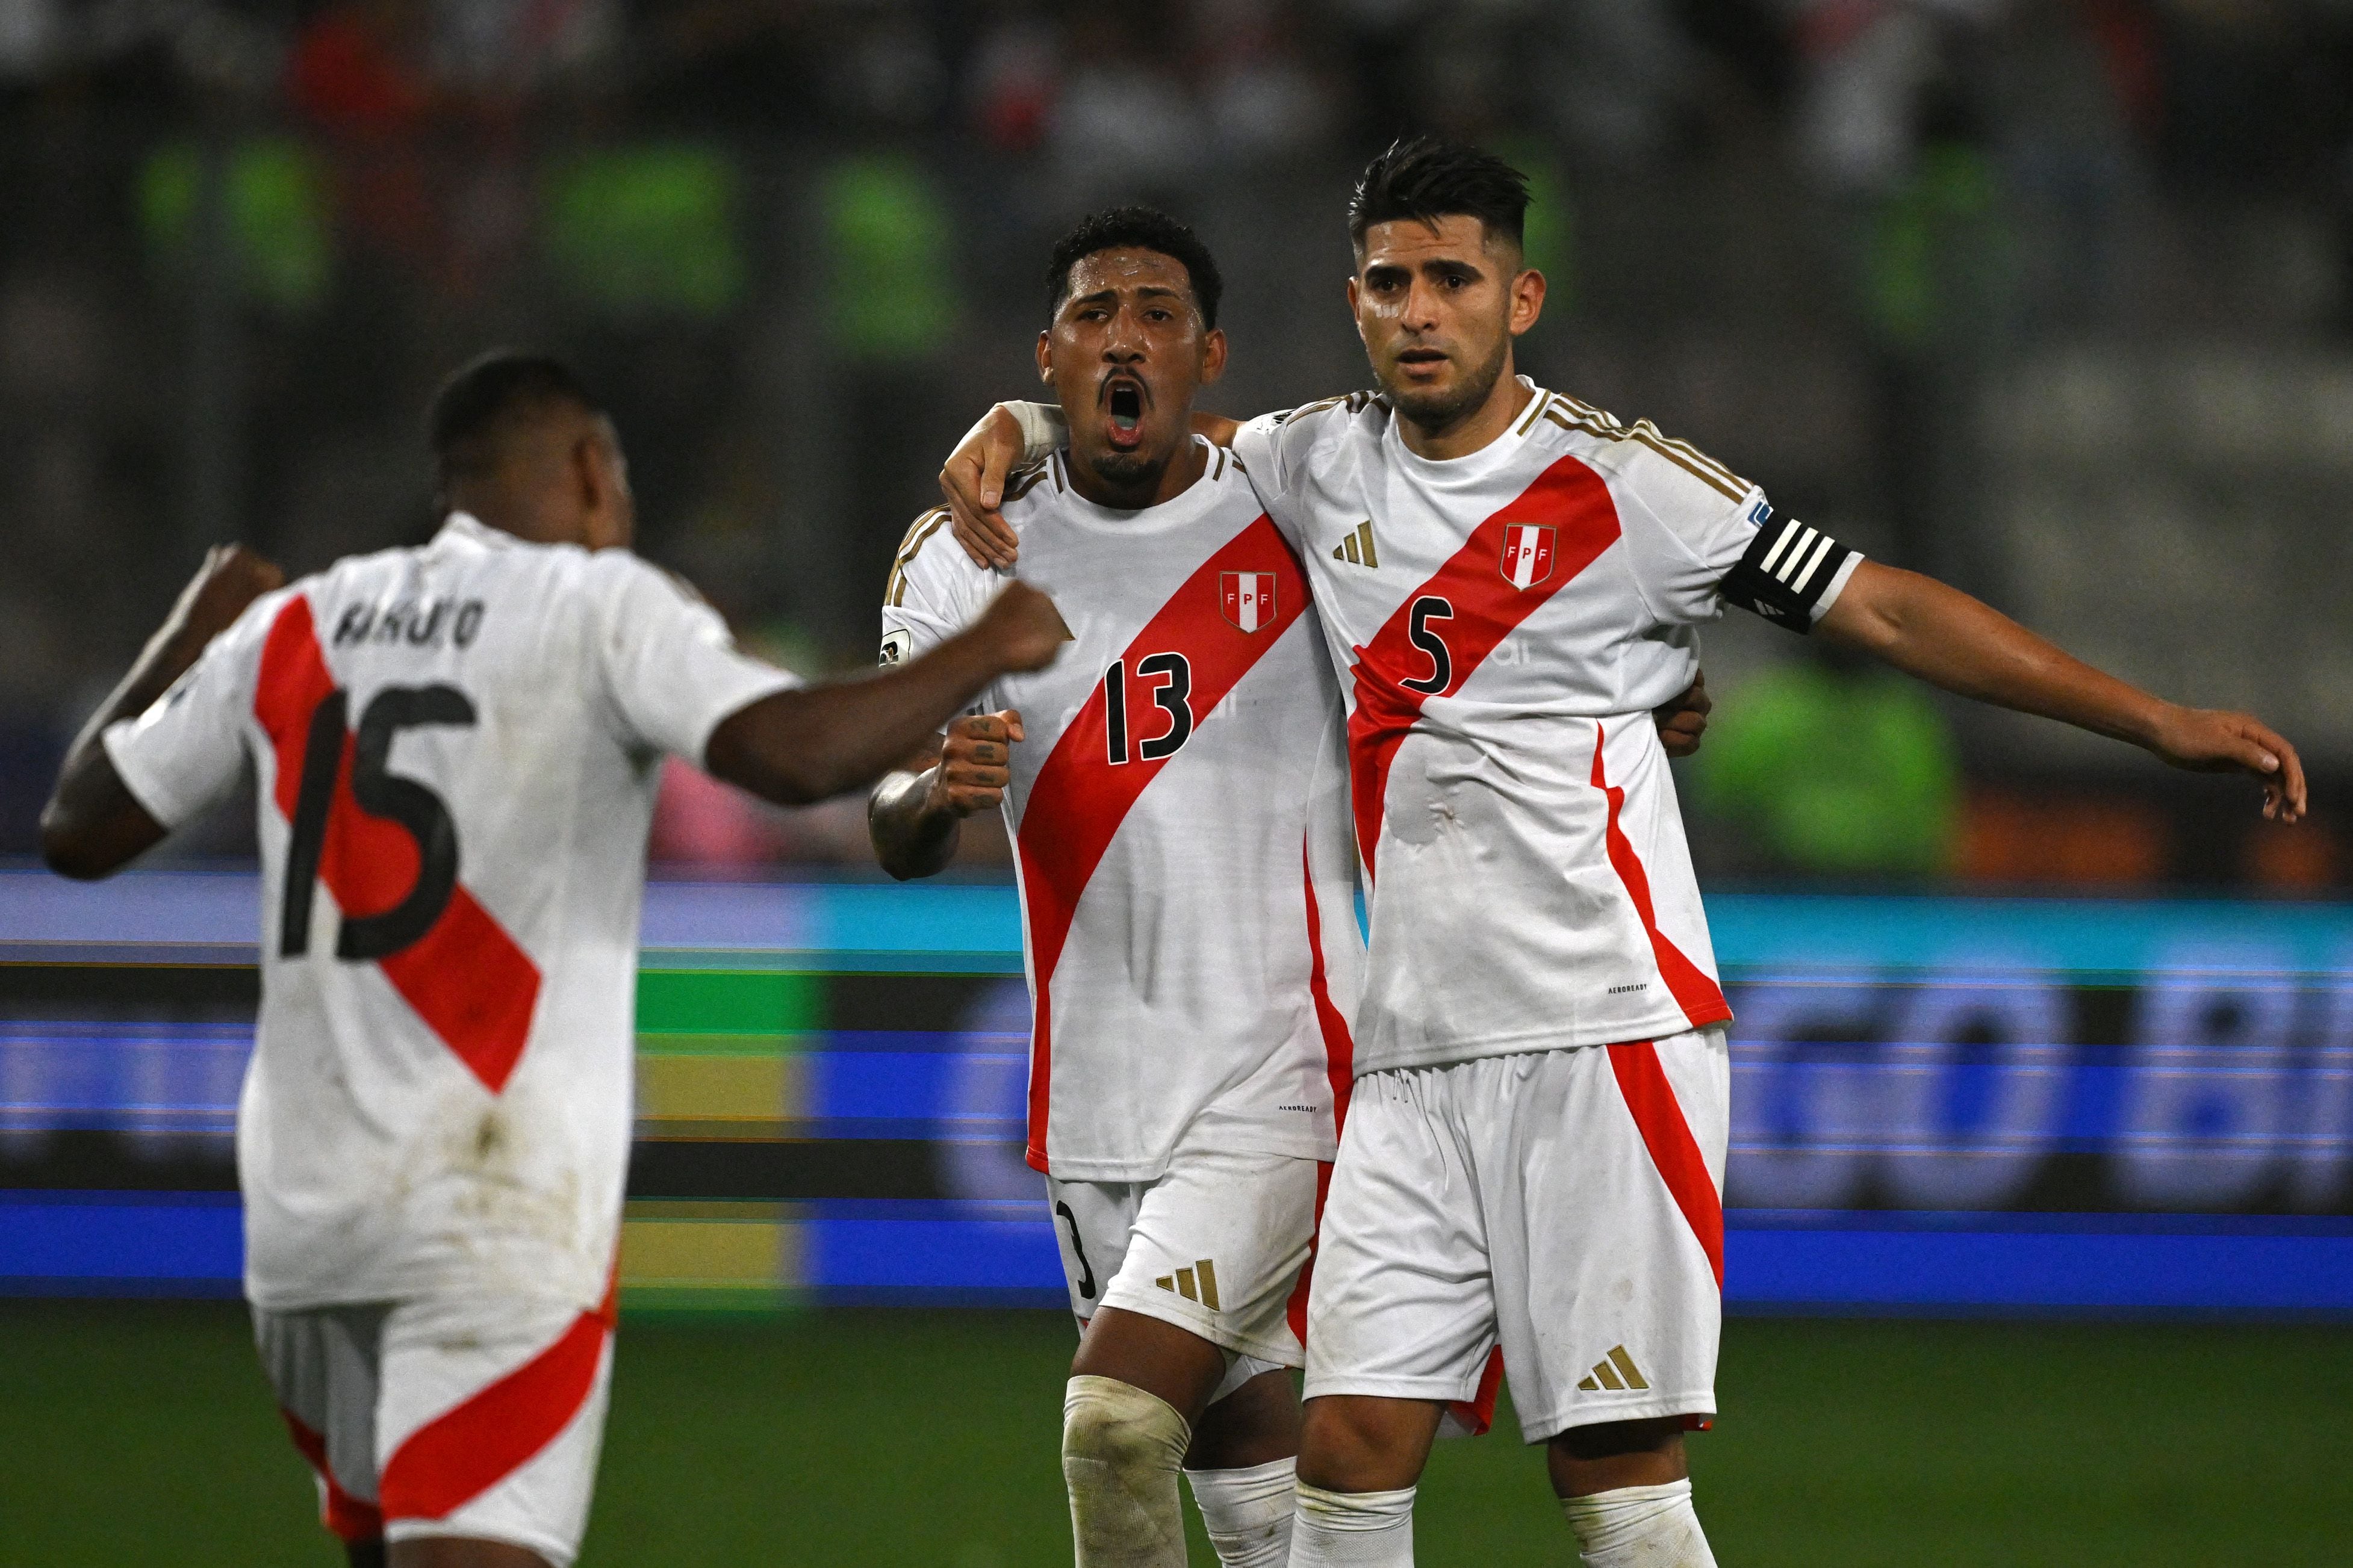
column 1275, row 452
column 934, row 590
column 1697, row 544
column 669, row 666
column 187, row 749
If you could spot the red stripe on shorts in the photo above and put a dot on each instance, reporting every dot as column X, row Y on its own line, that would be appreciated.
column 458, row 1455
column 351, row 1519
column 1659, row 1117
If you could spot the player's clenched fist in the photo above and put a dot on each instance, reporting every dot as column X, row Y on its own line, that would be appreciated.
column 231, row 578
column 1024, row 627
column 975, row 764
column 1683, row 721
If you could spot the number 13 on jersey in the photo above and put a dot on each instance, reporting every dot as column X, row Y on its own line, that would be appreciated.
column 1167, row 683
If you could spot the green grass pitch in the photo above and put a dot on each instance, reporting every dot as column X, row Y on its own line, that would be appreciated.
column 142, row 1433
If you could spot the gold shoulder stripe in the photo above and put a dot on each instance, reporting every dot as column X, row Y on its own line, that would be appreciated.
column 1656, row 443
column 1023, row 483
column 1695, row 455
column 919, row 531
column 1682, row 454
column 894, row 591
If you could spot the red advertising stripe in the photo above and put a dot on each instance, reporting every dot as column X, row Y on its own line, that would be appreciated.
column 1700, row 999
column 470, row 981
column 351, row 1519
column 1079, row 799
column 1485, row 608
column 1659, row 1116
column 458, row 1455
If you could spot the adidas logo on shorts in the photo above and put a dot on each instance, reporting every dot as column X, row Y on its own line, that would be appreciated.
column 1616, row 1370
column 1199, row 1283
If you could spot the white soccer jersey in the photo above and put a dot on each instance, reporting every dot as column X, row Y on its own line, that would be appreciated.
column 1179, row 808
column 457, row 750
column 1507, row 620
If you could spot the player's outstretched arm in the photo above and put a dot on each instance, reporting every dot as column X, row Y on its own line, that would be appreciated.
column 817, row 742
column 92, row 826
column 915, row 816
column 1950, row 639
column 973, row 480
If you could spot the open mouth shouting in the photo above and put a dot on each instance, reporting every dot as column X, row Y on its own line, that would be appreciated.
column 1124, row 398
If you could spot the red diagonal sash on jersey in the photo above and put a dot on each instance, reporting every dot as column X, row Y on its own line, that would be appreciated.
column 1700, row 999
column 466, row 977
column 1485, row 606
column 1079, row 799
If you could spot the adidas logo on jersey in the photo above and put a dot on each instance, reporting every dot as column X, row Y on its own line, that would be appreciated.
column 1199, row 1283
column 1617, row 1370
column 1357, row 548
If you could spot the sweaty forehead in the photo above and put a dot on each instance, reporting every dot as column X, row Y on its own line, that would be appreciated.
column 1410, row 242
column 1122, row 270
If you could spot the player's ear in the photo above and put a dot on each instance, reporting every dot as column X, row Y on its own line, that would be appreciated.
column 1527, row 300
column 1045, row 356
column 1213, row 355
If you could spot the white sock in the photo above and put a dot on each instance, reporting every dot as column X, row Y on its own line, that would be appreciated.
column 1248, row 1512
column 1638, row 1527
column 1121, row 1450
column 1353, row 1530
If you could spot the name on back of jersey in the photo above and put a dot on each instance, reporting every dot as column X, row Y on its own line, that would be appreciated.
column 417, row 623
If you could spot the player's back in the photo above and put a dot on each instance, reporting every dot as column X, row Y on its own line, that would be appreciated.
column 456, row 749
column 1178, row 809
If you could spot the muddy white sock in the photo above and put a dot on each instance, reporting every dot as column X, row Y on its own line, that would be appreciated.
column 1638, row 1527
column 1248, row 1512
column 1121, row 1450
column 1353, row 1530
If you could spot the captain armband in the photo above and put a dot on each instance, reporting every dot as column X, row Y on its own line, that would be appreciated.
column 1786, row 572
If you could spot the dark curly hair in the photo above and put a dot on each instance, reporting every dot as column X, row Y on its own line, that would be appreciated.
column 1135, row 228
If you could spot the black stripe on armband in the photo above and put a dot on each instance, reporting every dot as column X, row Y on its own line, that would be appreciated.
column 1787, row 569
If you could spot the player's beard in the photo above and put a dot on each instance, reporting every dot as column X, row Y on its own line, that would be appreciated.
column 1441, row 409
column 1127, row 471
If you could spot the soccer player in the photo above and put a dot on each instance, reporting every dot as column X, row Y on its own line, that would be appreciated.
column 1535, row 1153
column 1177, row 789
column 457, row 749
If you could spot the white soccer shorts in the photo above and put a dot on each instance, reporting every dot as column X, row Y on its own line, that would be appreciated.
column 479, row 1419
column 1217, row 1245
column 1566, row 1204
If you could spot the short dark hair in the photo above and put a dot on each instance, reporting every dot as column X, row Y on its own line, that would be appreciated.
column 489, row 398
column 1425, row 179
column 1135, row 228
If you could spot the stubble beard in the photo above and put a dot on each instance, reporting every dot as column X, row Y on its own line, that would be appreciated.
column 1439, row 411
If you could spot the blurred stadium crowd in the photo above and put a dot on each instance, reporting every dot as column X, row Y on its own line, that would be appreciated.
column 2052, row 297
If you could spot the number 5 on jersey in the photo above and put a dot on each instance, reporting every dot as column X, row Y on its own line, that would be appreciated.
column 1168, row 677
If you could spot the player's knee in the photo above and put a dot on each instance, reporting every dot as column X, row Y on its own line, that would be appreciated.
column 1351, row 1444
column 1118, row 1427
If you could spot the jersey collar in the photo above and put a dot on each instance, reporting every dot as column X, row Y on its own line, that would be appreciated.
column 472, row 530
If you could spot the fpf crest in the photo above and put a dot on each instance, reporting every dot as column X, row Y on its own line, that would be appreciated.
column 1527, row 553
column 1247, row 598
